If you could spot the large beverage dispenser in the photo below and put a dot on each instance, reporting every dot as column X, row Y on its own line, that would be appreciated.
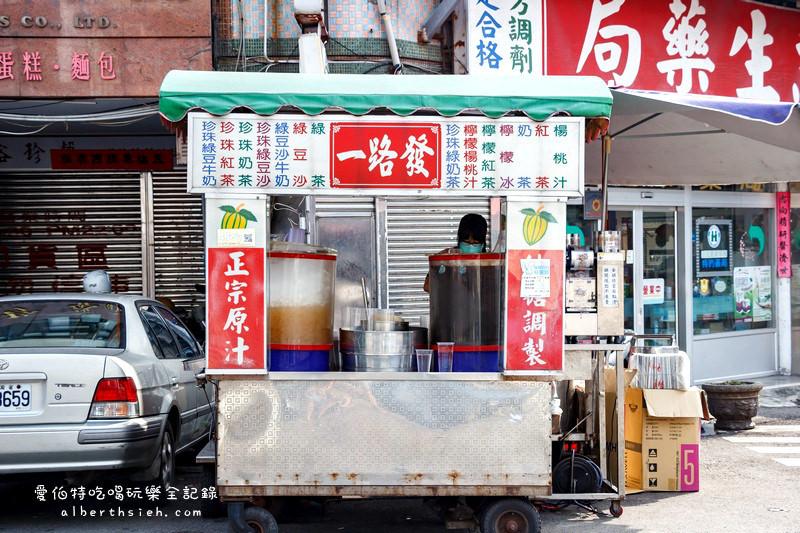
column 301, row 297
column 466, row 303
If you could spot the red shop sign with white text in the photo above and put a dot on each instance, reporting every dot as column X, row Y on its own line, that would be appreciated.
column 389, row 155
column 236, row 322
column 535, row 287
column 726, row 48
column 535, row 336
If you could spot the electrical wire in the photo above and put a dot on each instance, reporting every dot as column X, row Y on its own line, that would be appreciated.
column 284, row 207
column 340, row 43
column 142, row 111
column 379, row 65
column 25, row 132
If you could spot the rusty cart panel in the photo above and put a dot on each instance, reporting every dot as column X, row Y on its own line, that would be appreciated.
column 383, row 437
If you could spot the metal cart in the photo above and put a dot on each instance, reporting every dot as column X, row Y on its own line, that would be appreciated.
column 485, row 439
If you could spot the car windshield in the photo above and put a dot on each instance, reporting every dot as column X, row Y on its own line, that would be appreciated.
column 61, row 324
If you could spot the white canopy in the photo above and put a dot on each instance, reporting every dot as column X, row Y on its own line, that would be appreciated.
column 697, row 140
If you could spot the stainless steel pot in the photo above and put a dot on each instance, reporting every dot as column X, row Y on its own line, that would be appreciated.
column 380, row 351
column 384, row 325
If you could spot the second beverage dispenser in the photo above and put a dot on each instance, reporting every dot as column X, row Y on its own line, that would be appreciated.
column 466, row 302
column 301, row 299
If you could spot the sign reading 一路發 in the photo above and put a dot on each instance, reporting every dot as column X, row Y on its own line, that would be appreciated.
column 300, row 154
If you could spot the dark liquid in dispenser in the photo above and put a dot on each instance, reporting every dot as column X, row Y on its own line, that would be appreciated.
column 466, row 302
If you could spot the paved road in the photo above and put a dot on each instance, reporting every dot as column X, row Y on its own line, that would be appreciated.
column 741, row 489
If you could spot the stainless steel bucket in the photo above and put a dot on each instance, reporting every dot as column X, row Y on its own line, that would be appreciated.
column 380, row 351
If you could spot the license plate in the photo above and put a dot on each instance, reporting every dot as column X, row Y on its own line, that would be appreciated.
column 15, row 397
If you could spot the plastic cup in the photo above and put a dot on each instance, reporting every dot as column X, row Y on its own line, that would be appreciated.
column 445, row 356
column 424, row 360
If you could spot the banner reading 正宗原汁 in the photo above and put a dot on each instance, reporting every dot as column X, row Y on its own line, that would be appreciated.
column 236, row 233
column 534, row 340
column 300, row 154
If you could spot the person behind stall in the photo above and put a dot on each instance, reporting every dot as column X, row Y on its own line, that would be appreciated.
column 471, row 239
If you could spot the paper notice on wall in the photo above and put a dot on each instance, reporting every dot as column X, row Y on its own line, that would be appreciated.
column 752, row 289
column 652, row 291
column 609, row 279
column 535, row 281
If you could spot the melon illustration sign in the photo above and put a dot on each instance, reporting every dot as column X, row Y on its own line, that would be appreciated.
column 534, row 292
column 236, row 318
column 236, row 217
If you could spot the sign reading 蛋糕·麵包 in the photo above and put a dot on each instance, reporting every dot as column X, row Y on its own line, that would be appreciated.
column 299, row 154
column 534, row 338
column 99, row 48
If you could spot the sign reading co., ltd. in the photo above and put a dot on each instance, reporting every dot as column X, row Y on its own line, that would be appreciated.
column 96, row 48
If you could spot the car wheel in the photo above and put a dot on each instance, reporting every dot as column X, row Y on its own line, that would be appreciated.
column 166, row 458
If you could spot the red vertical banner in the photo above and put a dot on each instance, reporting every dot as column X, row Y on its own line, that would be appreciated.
column 236, row 324
column 784, row 233
column 534, row 336
column 236, row 233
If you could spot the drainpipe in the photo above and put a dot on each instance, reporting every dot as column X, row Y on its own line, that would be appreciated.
column 784, row 314
column 397, row 66
column 266, row 30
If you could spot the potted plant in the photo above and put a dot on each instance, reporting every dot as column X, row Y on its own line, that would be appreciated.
column 733, row 403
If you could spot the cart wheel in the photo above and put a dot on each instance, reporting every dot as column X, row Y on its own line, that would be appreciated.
column 510, row 516
column 260, row 520
column 615, row 509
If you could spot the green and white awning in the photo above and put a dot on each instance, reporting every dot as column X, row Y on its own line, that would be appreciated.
column 219, row 93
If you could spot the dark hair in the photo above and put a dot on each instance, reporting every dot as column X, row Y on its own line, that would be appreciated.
column 472, row 225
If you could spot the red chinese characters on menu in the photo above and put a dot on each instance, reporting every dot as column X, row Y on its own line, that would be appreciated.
column 388, row 155
column 236, row 327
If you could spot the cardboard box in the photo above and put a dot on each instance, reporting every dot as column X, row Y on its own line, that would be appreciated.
column 611, row 419
column 662, row 439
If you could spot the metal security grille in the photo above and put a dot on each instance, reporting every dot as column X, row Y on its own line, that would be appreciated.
column 344, row 206
column 178, row 252
column 416, row 228
column 56, row 227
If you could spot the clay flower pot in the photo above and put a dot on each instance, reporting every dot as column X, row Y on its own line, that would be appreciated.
column 733, row 403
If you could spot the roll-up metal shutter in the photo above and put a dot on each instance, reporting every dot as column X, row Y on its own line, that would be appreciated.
column 416, row 228
column 55, row 227
column 344, row 206
column 178, row 250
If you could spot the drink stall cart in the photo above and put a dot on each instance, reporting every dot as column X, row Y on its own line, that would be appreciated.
column 290, row 422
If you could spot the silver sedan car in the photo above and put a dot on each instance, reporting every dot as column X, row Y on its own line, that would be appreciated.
column 92, row 382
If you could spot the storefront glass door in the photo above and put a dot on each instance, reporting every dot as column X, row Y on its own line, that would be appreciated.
column 657, row 296
column 648, row 235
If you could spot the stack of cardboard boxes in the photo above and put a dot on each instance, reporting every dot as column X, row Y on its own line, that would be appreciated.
column 662, row 436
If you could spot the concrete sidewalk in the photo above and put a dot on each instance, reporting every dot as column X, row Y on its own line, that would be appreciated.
column 779, row 391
